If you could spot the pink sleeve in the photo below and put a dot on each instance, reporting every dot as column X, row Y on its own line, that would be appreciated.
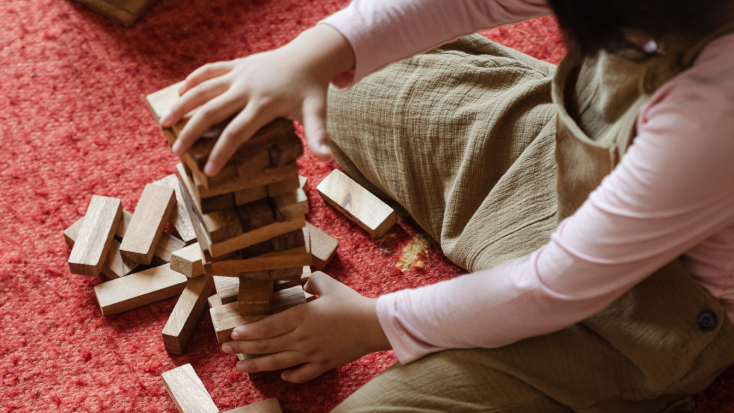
column 385, row 31
column 671, row 192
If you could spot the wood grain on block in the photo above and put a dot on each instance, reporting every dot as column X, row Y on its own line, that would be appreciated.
column 139, row 289
column 167, row 245
column 293, row 239
column 222, row 225
column 287, row 274
column 145, row 230
column 323, row 246
column 302, row 280
column 257, row 249
column 187, row 261
column 228, row 173
column 290, row 205
column 265, row 406
column 254, row 237
column 285, row 152
column 246, row 196
column 72, row 233
column 255, row 296
column 217, row 203
column 124, row 12
column 296, row 257
column 95, row 236
column 187, row 391
column 254, row 163
column 186, row 314
column 226, row 317
column 214, row 301
column 227, row 288
column 303, row 183
column 255, row 215
column 357, row 203
column 265, row 177
column 284, row 187
column 179, row 216
column 114, row 266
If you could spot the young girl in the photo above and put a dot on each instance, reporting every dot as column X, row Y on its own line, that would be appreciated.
column 592, row 201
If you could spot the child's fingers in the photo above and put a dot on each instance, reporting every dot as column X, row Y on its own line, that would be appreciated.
column 320, row 284
column 271, row 362
column 273, row 326
column 314, row 124
column 240, row 130
column 211, row 113
column 204, row 73
column 303, row 374
column 192, row 100
column 277, row 344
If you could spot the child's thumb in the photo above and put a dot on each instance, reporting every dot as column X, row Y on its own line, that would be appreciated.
column 320, row 284
column 314, row 124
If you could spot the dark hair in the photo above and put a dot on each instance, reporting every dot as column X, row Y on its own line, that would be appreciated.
column 600, row 24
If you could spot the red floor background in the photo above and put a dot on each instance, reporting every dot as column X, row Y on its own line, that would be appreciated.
column 73, row 123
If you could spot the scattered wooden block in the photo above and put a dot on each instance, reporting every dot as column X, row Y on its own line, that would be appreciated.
column 186, row 314
column 72, row 233
column 114, row 266
column 226, row 317
column 255, row 215
column 214, row 301
column 303, row 183
column 290, row 205
column 124, row 12
column 187, row 391
column 357, row 203
column 255, row 296
column 227, row 288
column 187, row 261
column 284, row 187
column 265, row 406
column 296, row 257
column 179, row 216
column 222, row 225
column 323, row 246
column 139, row 289
column 145, row 230
column 95, row 236
column 167, row 245
column 285, row 152
column 302, row 280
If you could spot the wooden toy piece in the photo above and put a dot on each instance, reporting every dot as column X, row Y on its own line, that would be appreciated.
column 323, row 246
column 285, row 152
column 293, row 239
column 227, row 288
column 187, row 391
column 255, row 215
column 254, row 163
column 264, row 177
column 222, row 225
column 290, row 205
column 167, row 245
column 296, row 257
column 217, row 203
column 145, row 230
column 95, row 236
column 265, row 406
column 179, row 216
column 303, row 183
column 139, row 289
column 187, row 261
column 246, row 196
column 114, row 266
column 255, row 296
column 283, row 187
column 72, row 233
column 357, row 203
column 186, row 314
column 258, row 249
column 226, row 317
column 301, row 280
column 124, row 12
column 214, row 301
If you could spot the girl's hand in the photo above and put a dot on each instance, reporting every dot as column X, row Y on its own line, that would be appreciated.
column 339, row 327
column 290, row 82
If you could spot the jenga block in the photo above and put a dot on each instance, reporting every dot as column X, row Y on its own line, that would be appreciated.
column 187, row 391
column 114, row 266
column 124, row 12
column 72, row 233
column 217, row 203
column 357, row 203
column 258, row 249
column 186, row 314
column 255, row 296
column 222, row 225
column 187, row 261
column 287, row 274
column 227, row 288
column 246, row 196
column 145, row 230
column 228, row 173
column 265, row 177
column 179, row 216
column 296, row 257
column 139, row 289
column 323, row 246
column 290, row 205
column 303, row 183
column 256, row 162
column 255, row 215
column 226, row 317
column 293, row 239
column 167, row 245
column 283, row 187
column 214, row 301
column 264, row 406
column 95, row 236
column 283, row 284
column 285, row 153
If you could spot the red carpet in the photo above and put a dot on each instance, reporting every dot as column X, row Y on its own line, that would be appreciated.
column 73, row 123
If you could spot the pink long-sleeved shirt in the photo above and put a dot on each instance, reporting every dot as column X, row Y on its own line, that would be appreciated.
column 672, row 195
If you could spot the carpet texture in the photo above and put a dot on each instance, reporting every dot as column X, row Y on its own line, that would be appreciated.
column 74, row 123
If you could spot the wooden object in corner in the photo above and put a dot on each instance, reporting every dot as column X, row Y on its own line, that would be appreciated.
column 357, row 203
column 145, row 230
column 323, row 246
column 187, row 261
column 187, row 391
column 95, row 236
column 179, row 216
column 186, row 314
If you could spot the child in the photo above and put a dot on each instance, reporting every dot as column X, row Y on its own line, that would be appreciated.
column 569, row 191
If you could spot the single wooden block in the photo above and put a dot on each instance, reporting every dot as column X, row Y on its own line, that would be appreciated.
column 222, row 225
column 323, row 246
column 149, row 220
column 293, row 239
column 290, row 205
column 214, row 301
column 167, row 245
column 186, row 314
column 255, row 215
column 187, row 391
column 258, row 249
column 179, row 216
column 114, row 266
column 228, row 173
column 253, row 164
column 264, row 406
column 302, row 280
column 287, row 274
column 72, row 233
column 284, row 187
column 246, row 196
column 139, row 289
column 217, row 203
column 187, row 261
column 285, row 152
column 255, row 296
column 303, row 183
column 264, row 177
column 296, row 257
column 95, row 236
column 124, row 12
column 357, row 203
column 227, row 288
column 226, row 317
